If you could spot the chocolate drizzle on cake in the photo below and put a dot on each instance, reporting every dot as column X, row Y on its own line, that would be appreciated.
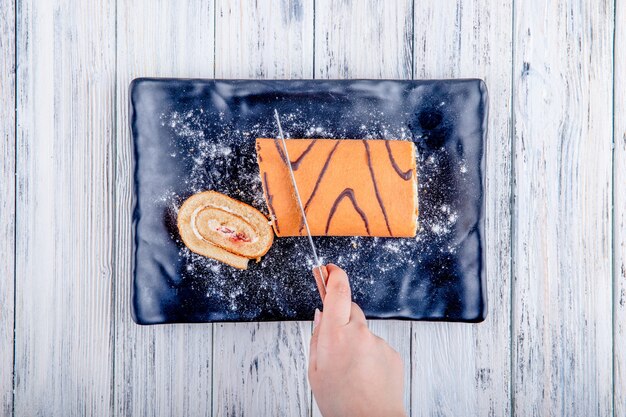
column 281, row 153
column 355, row 156
column 296, row 164
column 404, row 175
column 378, row 197
column 270, row 198
column 258, row 152
column 348, row 192
column 321, row 176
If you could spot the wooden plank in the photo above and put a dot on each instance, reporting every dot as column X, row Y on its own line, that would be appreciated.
column 371, row 39
column 159, row 370
column 271, row 39
column 562, row 334
column 262, row 369
column 619, row 222
column 65, row 119
column 466, row 368
column 263, row 366
column 342, row 29
column 7, row 203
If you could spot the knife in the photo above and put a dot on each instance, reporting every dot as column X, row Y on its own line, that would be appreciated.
column 319, row 271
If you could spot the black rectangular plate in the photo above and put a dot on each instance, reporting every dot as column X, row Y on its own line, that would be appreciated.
column 196, row 135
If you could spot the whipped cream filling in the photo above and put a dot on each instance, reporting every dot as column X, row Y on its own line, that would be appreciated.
column 215, row 225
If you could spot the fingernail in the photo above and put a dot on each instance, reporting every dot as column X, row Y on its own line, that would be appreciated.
column 316, row 318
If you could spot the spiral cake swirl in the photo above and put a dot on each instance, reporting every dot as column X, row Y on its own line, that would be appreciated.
column 219, row 227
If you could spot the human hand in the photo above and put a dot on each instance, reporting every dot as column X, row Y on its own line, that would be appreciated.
column 352, row 372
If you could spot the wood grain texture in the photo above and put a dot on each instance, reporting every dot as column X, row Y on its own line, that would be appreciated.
column 65, row 119
column 467, row 367
column 367, row 39
column 159, row 370
column 562, row 334
column 619, row 222
column 262, row 366
column 271, row 39
column 262, row 369
column 7, row 203
column 341, row 32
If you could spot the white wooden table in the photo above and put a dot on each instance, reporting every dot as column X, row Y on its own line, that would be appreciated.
column 554, row 342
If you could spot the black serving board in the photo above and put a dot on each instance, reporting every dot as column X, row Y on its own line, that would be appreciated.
column 195, row 135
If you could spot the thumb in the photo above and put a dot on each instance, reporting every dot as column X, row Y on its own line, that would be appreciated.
column 314, row 339
column 338, row 300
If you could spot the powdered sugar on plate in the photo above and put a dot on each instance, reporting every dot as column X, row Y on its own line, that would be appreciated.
column 195, row 135
column 226, row 162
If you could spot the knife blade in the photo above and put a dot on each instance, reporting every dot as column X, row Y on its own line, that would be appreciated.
column 319, row 271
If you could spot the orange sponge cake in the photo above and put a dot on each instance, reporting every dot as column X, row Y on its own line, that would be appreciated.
column 348, row 187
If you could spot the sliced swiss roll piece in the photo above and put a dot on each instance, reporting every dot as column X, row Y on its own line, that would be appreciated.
column 348, row 187
column 217, row 226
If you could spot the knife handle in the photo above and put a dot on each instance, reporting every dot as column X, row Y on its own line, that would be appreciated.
column 321, row 280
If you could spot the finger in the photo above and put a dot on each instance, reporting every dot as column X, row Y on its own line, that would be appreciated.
column 338, row 300
column 357, row 315
column 321, row 275
column 314, row 339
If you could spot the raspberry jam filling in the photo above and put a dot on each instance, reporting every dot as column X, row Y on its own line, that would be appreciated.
column 233, row 235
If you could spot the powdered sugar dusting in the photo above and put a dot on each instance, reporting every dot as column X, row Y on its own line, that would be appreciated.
column 197, row 135
column 226, row 162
